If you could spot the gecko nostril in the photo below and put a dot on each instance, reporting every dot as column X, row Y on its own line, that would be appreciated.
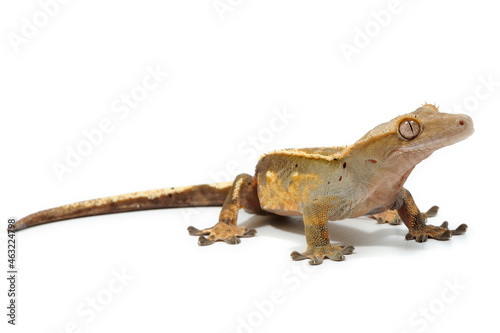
column 461, row 122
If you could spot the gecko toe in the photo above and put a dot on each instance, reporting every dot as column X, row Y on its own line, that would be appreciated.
column 347, row 249
column 233, row 240
column 315, row 260
column 460, row 230
column 338, row 256
column 444, row 225
column 395, row 221
column 193, row 231
column 249, row 233
column 432, row 212
column 444, row 236
column 298, row 256
column 409, row 236
column 203, row 241
column 422, row 238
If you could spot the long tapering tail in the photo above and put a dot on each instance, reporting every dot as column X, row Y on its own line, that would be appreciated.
column 188, row 196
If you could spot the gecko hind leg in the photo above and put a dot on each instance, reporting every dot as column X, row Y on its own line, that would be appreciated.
column 243, row 194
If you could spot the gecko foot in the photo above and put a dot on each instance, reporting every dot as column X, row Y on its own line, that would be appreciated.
column 318, row 253
column 389, row 216
column 392, row 216
column 222, row 231
column 439, row 233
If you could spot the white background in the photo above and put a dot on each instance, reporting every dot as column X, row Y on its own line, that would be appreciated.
column 227, row 73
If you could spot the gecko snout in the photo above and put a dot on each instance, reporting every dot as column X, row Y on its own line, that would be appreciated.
column 465, row 120
column 466, row 124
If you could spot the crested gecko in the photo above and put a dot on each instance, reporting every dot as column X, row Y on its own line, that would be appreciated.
column 319, row 184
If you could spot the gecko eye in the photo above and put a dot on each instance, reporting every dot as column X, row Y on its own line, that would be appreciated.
column 409, row 129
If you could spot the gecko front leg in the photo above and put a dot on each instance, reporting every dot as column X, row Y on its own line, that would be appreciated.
column 416, row 221
column 319, row 247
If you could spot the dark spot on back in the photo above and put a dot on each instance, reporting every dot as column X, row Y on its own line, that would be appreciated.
column 170, row 195
column 371, row 161
column 344, row 165
column 340, row 178
column 296, row 165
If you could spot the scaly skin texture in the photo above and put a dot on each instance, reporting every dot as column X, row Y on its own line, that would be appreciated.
column 320, row 184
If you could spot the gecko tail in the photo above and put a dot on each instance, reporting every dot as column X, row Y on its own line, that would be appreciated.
column 173, row 197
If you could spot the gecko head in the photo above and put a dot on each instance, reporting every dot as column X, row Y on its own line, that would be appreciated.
column 410, row 138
